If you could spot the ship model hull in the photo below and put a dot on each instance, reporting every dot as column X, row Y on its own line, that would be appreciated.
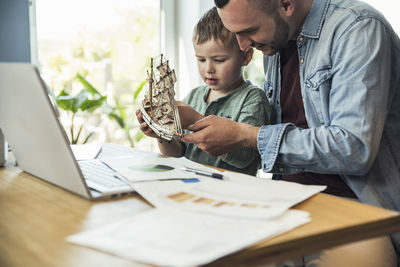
column 159, row 108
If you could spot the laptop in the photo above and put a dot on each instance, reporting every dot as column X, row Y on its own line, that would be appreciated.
column 39, row 143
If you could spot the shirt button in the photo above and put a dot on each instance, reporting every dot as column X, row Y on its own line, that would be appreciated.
column 302, row 61
column 281, row 169
column 301, row 39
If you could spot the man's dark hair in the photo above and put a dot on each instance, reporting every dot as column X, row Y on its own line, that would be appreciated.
column 221, row 3
column 264, row 5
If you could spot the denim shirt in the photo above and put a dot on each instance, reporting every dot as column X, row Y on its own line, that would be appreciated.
column 350, row 80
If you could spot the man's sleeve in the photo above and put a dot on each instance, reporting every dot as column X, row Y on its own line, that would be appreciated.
column 357, row 103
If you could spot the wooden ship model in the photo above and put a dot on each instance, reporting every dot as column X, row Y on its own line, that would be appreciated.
column 159, row 108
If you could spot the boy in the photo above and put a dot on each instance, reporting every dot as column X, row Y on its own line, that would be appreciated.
column 220, row 64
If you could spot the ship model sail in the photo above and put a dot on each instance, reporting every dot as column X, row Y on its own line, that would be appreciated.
column 159, row 108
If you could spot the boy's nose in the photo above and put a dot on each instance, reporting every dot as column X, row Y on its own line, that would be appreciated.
column 210, row 68
column 243, row 42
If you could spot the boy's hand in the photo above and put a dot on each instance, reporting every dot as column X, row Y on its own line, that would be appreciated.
column 144, row 127
column 217, row 135
column 187, row 114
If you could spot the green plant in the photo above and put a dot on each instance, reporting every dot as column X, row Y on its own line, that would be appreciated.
column 87, row 100
column 120, row 115
column 90, row 99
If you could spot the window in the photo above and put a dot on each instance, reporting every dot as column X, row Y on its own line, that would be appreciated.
column 255, row 70
column 109, row 43
column 387, row 9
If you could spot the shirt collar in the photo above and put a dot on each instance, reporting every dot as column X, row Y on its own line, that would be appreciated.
column 315, row 19
column 234, row 92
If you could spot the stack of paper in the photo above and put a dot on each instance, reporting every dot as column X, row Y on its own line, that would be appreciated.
column 196, row 223
column 174, row 238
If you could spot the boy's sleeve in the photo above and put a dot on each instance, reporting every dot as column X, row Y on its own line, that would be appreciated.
column 256, row 111
column 186, row 100
column 189, row 99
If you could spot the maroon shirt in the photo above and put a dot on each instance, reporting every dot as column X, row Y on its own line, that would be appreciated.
column 293, row 111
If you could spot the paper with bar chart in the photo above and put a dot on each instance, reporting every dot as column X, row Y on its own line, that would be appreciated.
column 257, row 200
column 194, row 200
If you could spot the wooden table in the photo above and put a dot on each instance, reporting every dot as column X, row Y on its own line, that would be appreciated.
column 36, row 217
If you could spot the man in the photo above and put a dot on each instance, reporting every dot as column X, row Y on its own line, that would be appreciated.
column 332, row 75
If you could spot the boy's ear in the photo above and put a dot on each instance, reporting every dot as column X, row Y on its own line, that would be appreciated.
column 248, row 55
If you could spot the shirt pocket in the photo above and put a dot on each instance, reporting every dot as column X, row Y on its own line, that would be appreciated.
column 317, row 87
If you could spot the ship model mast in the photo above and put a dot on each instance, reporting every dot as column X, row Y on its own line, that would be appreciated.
column 150, row 80
column 159, row 108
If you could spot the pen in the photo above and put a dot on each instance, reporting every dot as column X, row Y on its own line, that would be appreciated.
column 204, row 173
column 98, row 152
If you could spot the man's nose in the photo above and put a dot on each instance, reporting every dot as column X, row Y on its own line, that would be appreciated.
column 244, row 42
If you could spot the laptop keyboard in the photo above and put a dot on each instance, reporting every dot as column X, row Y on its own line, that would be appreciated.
column 97, row 172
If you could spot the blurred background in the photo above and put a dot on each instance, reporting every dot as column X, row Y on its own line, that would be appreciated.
column 99, row 50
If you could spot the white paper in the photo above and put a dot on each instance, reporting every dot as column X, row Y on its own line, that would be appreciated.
column 256, row 199
column 274, row 192
column 116, row 150
column 150, row 167
column 174, row 238
column 86, row 152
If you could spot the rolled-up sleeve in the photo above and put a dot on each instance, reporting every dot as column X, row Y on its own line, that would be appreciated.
column 268, row 142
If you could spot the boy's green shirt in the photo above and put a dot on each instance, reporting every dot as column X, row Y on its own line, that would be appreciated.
column 246, row 104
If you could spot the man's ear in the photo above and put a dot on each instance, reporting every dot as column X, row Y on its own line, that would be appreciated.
column 287, row 7
column 248, row 55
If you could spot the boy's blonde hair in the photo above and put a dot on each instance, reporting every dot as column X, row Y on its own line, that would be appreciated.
column 210, row 27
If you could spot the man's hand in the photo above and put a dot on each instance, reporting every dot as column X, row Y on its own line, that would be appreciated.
column 144, row 127
column 187, row 114
column 217, row 135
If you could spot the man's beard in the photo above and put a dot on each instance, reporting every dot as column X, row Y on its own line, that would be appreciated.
column 281, row 36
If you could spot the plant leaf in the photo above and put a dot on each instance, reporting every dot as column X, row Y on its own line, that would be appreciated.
column 91, row 105
column 82, row 97
column 64, row 101
column 138, row 90
column 87, row 85
column 88, row 137
column 68, row 103
column 117, row 118
column 139, row 135
column 121, row 109
column 63, row 93
column 78, row 134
